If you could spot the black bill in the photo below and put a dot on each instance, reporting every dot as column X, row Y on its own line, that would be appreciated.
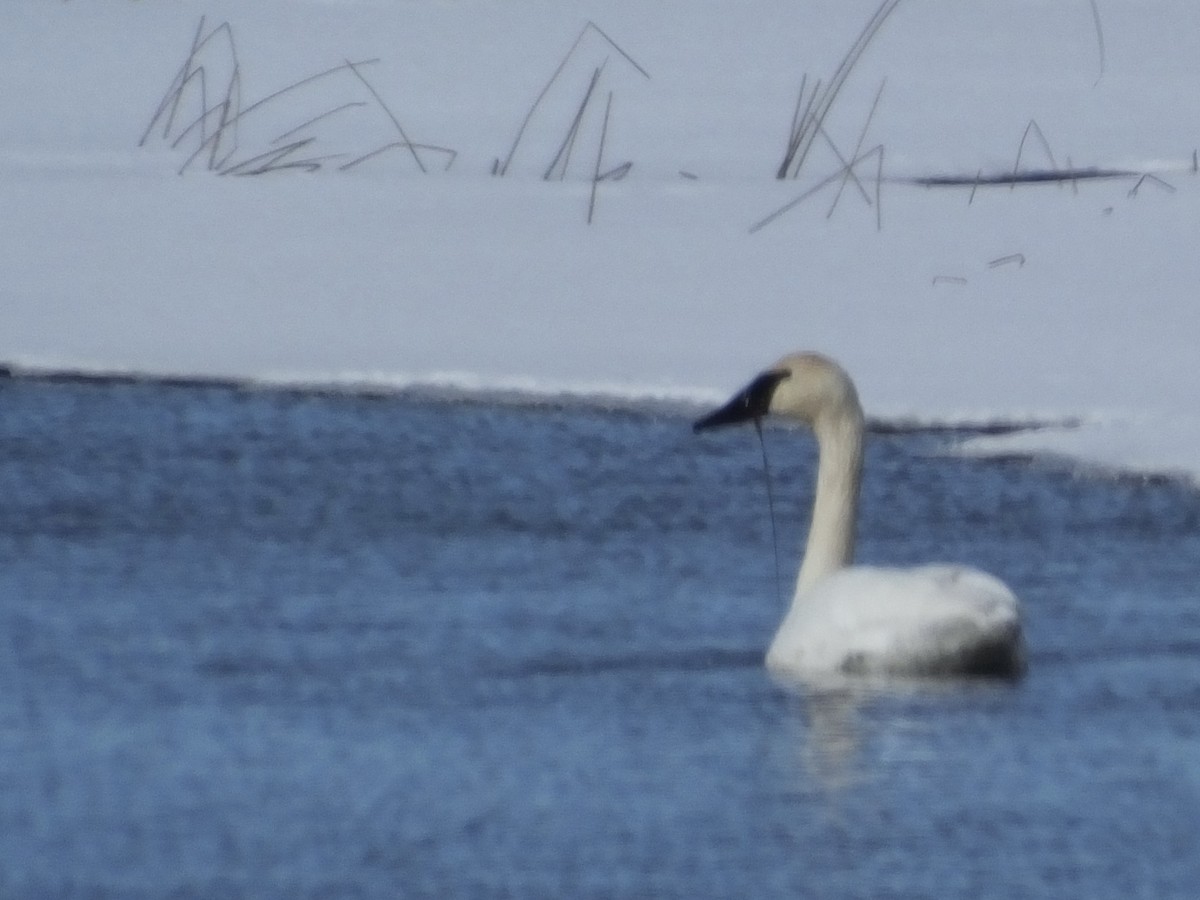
column 749, row 404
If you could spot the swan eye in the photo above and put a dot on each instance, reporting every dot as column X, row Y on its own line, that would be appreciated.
column 760, row 391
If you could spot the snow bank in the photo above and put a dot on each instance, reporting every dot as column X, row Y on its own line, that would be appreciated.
column 1071, row 301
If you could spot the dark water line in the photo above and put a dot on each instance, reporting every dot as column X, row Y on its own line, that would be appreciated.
column 690, row 660
column 1034, row 176
column 634, row 404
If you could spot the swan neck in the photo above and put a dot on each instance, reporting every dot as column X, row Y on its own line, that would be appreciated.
column 831, row 532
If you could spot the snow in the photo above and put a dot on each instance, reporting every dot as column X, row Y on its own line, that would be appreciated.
column 1065, row 302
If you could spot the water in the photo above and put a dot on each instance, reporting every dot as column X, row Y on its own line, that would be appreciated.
column 286, row 645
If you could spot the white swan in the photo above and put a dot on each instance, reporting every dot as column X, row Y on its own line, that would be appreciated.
column 942, row 620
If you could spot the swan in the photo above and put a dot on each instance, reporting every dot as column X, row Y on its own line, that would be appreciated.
column 931, row 620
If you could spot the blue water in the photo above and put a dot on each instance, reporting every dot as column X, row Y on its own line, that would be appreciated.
column 273, row 644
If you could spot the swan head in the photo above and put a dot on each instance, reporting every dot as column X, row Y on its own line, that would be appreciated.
column 806, row 387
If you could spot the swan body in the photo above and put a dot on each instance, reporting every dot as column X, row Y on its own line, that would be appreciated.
column 934, row 620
